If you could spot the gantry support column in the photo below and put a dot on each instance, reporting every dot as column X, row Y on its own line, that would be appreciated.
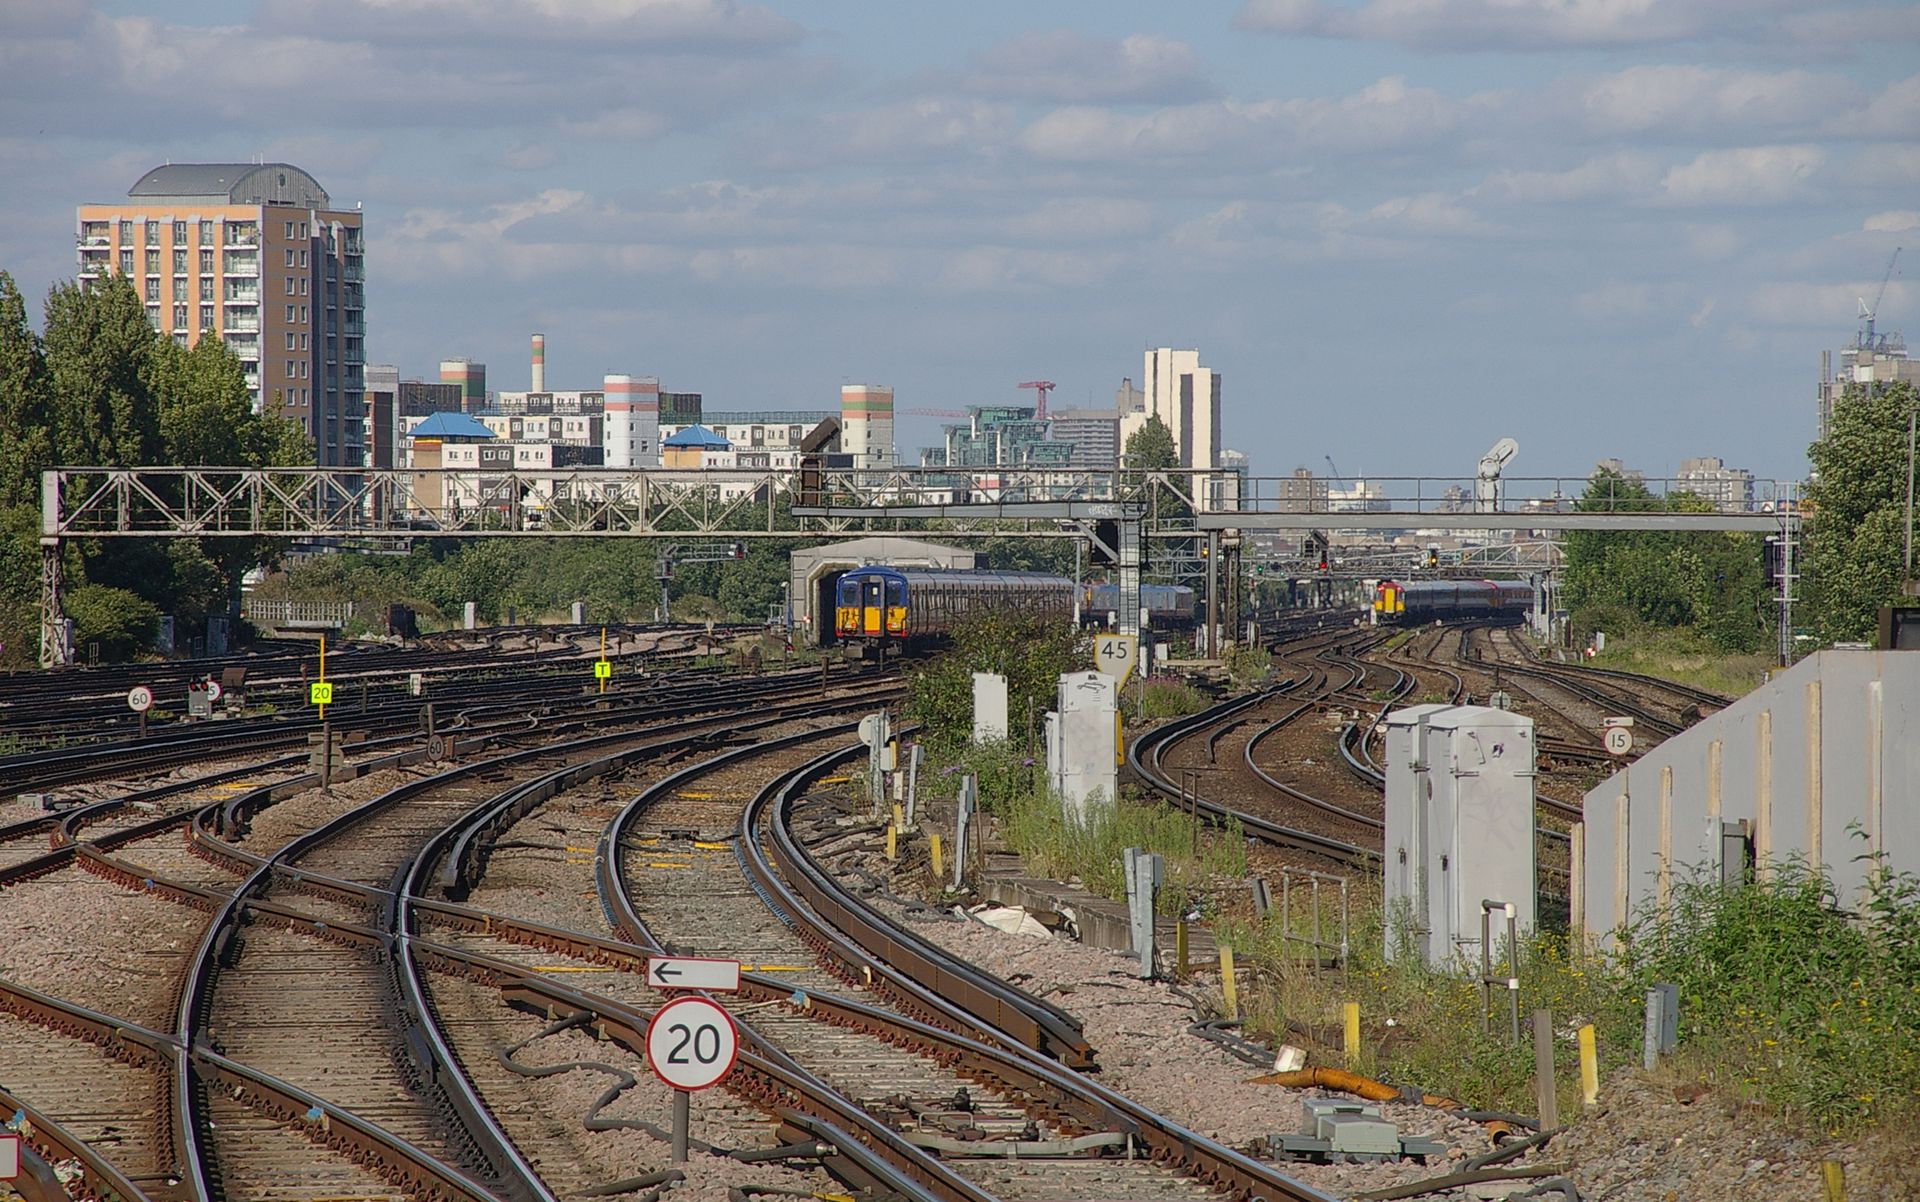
column 54, row 652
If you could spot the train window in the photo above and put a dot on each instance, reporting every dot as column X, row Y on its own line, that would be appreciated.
column 896, row 592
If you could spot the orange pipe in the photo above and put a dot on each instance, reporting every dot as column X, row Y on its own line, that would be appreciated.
column 1346, row 1082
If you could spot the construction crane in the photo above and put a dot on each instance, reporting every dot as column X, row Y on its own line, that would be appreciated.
column 1332, row 467
column 1040, row 388
column 1869, row 341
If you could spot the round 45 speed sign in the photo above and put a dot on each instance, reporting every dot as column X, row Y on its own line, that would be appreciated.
column 692, row 1043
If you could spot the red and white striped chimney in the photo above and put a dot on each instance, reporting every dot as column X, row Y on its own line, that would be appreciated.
column 539, row 363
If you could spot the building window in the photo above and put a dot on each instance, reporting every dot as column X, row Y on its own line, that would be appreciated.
column 289, row 280
column 289, row 367
column 206, row 261
column 126, row 262
column 303, row 258
column 179, row 233
column 289, row 229
column 303, row 229
column 289, row 339
column 303, row 315
column 153, row 316
column 179, row 261
column 303, row 285
column 289, row 256
column 179, row 317
column 153, row 232
column 206, row 233
column 206, row 287
column 153, row 262
column 206, row 317
column 303, row 342
column 126, row 232
column 289, row 312
column 153, row 288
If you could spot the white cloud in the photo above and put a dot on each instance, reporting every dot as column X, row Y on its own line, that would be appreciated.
column 1514, row 24
column 602, row 24
column 1385, row 115
column 1672, row 101
column 1068, row 67
column 1833, row 307
column 1748, row 176
column 1622, row 175
column 1896, row 219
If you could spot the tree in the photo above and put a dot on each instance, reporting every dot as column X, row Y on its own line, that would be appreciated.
column 99, row 345
column 1151, row 447
column 26, row 433
column 1712, row 583
column 1856, row 540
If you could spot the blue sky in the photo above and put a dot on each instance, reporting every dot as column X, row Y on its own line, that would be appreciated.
column 1401, row 229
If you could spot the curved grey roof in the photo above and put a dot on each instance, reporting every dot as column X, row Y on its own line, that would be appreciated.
column 234, row 183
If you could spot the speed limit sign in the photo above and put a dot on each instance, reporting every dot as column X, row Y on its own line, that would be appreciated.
column 1618, row 739
column 139, row 699
column 692, row 1043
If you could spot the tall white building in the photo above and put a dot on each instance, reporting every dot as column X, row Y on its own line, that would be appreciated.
column 866, row 424
column 1729, row 488
column 632, row 421
column 1185, row 396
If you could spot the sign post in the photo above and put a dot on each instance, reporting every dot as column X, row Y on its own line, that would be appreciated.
column 140, row 700
column 1618, row 736
column 1114, row 656
column 690, row 972
column 691, row 1044
column 602, row 670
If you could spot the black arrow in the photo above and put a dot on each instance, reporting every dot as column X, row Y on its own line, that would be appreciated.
column 662, row 971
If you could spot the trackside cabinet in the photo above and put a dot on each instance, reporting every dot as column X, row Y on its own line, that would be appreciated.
column 1480, row 824
column 1408, row 791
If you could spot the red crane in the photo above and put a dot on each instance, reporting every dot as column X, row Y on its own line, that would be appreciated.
column 1040, row 390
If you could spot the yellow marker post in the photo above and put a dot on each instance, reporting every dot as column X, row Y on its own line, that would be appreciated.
column 933, row 846
column 602, row 669
column 1350, row 1011
column 893, row 842
column 1229, row 994
column 899, row 816
column 324, row 695
column 1180, row 949
column 1833, row 1175
column 1589, row 1069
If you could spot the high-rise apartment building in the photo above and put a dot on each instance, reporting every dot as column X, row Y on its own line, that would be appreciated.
column 1707, row 477
column 1883, row 360
column 254, row 254
column 1186, row 398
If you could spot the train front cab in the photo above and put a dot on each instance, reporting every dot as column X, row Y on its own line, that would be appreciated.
column 870, row 613
column 1389, row 601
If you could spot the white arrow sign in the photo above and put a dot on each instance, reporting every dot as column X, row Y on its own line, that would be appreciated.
column 684, row 972
column 691, row 1043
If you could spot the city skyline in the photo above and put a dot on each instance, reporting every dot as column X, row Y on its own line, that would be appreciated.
column 1602, row 229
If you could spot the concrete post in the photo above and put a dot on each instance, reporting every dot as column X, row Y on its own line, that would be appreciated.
column 913, row 782
column 989, row 707
column 1144, row 874
column 469, row 614
column 579, row 614
column 969, row 797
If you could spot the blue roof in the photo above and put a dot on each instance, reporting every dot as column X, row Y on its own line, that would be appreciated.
column 450, row 425
column 696, row 436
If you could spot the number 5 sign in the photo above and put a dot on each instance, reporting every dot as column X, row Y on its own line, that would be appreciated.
column 1114, row 655
column 692, row 1043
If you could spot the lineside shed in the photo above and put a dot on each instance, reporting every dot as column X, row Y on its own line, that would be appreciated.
column 814, row 571
column 1819, row 765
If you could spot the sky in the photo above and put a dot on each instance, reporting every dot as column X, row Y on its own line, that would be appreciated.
column 1399, row 229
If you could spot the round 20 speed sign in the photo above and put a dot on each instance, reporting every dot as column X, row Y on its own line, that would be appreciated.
column 692, row 1043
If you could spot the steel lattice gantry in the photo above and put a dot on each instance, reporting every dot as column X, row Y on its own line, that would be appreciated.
column 1118, row 510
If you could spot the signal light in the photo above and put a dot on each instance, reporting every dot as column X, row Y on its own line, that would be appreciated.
column 736, row 550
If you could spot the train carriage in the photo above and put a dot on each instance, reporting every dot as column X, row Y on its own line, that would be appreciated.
column 881, row 611
column 1502, row 601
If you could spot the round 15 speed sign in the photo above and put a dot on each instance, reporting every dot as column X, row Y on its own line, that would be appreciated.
column 692, row 1043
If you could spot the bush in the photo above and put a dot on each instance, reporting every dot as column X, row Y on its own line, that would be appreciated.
column 1031, row 653
column 116, row 620
column 1164, row 697
column 1789, row 999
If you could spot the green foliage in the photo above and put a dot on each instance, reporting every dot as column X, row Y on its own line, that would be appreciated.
column 1151, row 447
column 26, row 418
column 99, row 346
column 119, row 622
column 1031, row 653
column 1788, row 998
column 1163, row 697
column 1248, row 666
column 1856, row 542
column 1713, row 583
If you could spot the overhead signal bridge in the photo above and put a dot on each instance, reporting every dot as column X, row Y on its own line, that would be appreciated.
column 1115, row 510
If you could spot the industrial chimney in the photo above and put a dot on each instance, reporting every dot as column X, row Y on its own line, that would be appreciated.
column 539, row 363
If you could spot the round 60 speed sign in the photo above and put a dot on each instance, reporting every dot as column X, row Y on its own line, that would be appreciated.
column 139, row 699
column 692, row 1043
